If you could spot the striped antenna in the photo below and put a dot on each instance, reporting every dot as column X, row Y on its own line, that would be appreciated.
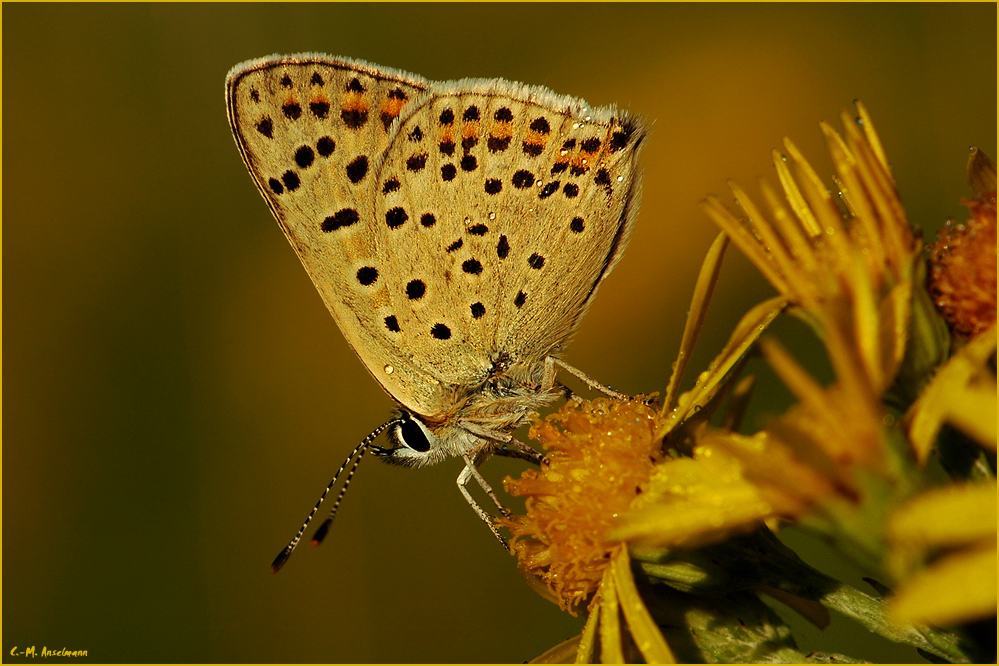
column 320, row 534
column 358, row 451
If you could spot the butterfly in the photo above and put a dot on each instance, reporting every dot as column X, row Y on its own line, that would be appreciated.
column 457, row 231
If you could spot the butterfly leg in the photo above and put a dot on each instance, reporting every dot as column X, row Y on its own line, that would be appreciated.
column 514, row 448
column 506, row 445
column 469, row 472
column 569, row 393
column 548, row 379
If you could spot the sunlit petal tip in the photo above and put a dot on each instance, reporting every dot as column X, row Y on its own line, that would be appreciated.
column 864, row 118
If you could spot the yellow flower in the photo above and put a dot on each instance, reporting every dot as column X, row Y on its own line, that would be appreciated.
column 847, row 266
column 600, row 457
column 963, row 260
column 622, row 481
column 846, row 263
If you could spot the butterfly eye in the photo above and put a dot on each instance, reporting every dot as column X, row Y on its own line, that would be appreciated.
column 415, row 446
column 411, row 434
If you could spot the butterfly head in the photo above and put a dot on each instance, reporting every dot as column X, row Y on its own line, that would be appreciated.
column 414, row 443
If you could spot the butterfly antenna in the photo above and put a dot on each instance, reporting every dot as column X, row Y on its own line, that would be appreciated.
column 359, row 453
column 320, row 534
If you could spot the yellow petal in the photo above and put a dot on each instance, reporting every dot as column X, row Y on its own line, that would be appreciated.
column 745, row 241
column 820, row 202
column 872, row 137
column 974, row 413
column 927, row 414
column 643, row 628
column 896, row 310
column 610, row 621
column 704, row 517
column 956, row 589
column 588, row 639
column 795, row 198
column 692, row 501
column 792, row 233
column 563, row 653
column 705, row 285
column 749, row 328
column 947, row 516
column 773, row 244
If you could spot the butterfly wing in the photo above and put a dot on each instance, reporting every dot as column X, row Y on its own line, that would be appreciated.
column 499, row 209
column 310, row 129
column 476, row 228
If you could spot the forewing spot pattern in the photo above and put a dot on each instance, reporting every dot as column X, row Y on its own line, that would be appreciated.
column 344, row 217
column 304, row 157
column 510, row 161
column 266, row 127
column 325, row 146
column 292, row 110
column 357, row 169
column 392, row 107
column 354, row 111
column 367, row 275
column 440, row 332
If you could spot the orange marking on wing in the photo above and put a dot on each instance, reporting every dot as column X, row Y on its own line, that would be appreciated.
column 392, row 106
column 470, row 129
column 354, row 101
column 501, row 130
column 535, row 142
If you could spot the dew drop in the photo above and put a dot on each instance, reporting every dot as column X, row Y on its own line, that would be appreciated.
column 389, row 369
column 492, row 216
column 620, row 178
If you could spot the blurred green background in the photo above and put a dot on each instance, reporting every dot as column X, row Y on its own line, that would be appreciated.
column 177, row 396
